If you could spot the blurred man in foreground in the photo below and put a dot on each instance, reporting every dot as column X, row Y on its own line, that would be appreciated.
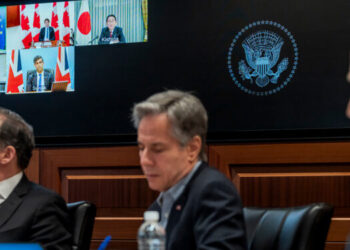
column 199, row 206
column 28, row 212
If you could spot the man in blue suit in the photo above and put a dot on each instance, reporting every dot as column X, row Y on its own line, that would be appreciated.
column 40, row 79
column 199, row 207
column 47, row 33
column 112, row 33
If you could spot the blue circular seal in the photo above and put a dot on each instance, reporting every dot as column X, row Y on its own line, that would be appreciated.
column 262, row 58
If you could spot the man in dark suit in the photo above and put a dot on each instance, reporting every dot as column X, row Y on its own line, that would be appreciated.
column 47, row 33
column 112, row 33
column 199, row 207
column 41, row 79
column 28, row 211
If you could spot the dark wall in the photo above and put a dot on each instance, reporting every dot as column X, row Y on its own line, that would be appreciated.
column 188, row 49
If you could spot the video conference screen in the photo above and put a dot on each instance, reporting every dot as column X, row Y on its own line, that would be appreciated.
column 38, row 40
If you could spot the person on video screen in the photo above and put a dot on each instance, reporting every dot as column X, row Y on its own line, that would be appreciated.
column 47, row 33
column 112, row 33
column 40, row 79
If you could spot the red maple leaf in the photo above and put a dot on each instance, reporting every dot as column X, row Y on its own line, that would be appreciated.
column 24, row 22
column 36, row 22
column 65, row 19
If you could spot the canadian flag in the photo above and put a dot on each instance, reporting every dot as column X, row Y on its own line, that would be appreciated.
column 84, row 24
column 36, row 24
column 65, row 22
column 26, row 34
column 62, row 66
column 15, row 76
column 54, row 21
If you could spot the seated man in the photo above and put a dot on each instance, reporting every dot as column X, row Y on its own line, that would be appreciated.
column 28, row 211
column 112, row 33
column 47, row 33
column 41, row 79
column 199, row 207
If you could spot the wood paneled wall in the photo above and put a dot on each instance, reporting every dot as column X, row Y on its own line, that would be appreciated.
column 266, row 175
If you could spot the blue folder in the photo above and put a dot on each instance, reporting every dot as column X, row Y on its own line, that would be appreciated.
column 20, row 246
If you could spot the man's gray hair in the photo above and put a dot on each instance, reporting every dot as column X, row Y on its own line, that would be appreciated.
column 185, row 112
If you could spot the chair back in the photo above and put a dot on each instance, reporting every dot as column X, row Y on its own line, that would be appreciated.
column 292, row 228
column 82, row 215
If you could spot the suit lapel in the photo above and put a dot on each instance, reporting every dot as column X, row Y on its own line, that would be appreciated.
column 34, row 81
column 175, row 214
column 46, row 77
column 14, row 200
column 180, row 203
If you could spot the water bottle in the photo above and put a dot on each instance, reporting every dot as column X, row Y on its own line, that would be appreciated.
column 151, row 235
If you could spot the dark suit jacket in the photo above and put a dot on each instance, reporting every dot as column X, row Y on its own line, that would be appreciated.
column 33, row 213
column 32, row 80
column 51, row 34
column 208, row 214
column 105, row 35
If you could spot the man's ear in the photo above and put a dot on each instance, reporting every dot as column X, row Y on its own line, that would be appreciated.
column 194, row 147
column 7, row 154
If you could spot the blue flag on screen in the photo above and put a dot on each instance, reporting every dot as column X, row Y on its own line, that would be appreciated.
column 2, row 28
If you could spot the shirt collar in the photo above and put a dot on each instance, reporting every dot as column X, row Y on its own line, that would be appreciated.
column 175, row 191
column 8, row 185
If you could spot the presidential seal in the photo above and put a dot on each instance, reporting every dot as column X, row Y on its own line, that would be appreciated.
column 262, row 58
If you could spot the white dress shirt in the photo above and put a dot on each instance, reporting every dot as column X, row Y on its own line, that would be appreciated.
column 8, row 185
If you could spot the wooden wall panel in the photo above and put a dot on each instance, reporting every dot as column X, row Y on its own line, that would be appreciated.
column 109, row 177
column 32, row 171
column 291, row 174
column 296, row 189
column 113, row 194
column 266, row 174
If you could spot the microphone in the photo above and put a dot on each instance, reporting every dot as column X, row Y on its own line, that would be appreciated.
column 72, row 38
column 93, row 39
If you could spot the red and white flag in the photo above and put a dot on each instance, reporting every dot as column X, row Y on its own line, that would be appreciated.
column 84, row 24
column 26, row 34
column 62, row 66
column 36, row 23
column 54, row 21
column 15, row 76
column 65, row 24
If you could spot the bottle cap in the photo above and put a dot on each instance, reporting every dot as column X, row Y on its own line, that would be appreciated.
column 151, row 216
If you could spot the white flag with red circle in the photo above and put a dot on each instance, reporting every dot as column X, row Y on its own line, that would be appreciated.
column 84, row 24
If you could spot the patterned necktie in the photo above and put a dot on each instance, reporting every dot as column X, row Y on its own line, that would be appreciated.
column 39, row 87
